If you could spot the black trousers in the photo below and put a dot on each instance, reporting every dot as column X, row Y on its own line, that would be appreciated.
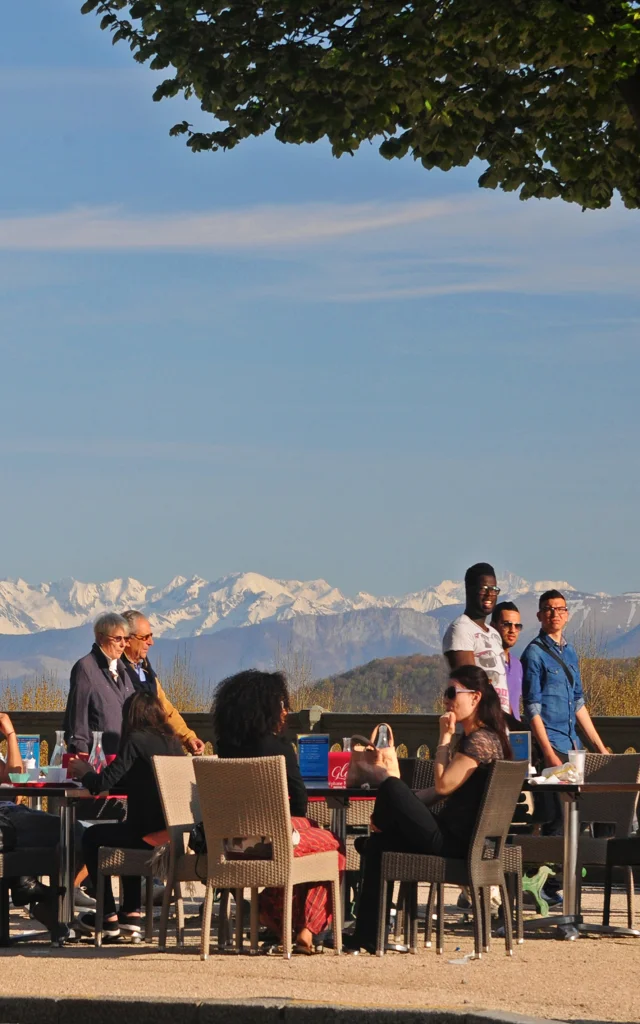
column 118, row 834
column 406, row 826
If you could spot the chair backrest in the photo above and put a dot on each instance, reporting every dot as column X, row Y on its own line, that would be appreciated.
column 423, row 776
column 178, row 791
column 502, row 790
column 615, row 809
column 242, row 797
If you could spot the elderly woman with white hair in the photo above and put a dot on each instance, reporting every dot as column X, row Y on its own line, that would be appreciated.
column 98, row 688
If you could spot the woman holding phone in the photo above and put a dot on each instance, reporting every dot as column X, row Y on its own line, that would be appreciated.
column 402, row 821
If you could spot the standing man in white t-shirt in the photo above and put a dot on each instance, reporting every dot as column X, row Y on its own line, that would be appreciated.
column 469, row 641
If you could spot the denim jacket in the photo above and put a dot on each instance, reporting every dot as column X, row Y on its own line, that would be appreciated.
column 547, row 692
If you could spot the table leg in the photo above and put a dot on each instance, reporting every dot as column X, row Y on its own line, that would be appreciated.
column 67, row 860
column 568, row 922
column 339, row 829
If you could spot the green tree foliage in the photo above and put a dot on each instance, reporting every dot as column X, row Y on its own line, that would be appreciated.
column 545, row 92
column 401, row 685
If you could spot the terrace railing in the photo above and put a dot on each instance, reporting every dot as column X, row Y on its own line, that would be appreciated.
column 418, row 734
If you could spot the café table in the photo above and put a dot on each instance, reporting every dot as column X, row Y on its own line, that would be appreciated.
column 68, row 795
column 570, row 924
column 338, row 802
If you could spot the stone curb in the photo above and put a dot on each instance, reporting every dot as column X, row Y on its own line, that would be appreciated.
column 46, row 1010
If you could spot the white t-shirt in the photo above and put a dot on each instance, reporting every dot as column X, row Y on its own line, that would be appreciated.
column 466, row 635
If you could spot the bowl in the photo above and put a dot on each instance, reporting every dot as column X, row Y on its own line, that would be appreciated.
column 55, row 773
column 19, row 778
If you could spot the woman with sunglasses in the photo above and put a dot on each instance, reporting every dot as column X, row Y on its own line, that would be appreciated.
column 402, row 821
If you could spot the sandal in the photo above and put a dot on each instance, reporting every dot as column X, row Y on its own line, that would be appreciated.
column 303, row 949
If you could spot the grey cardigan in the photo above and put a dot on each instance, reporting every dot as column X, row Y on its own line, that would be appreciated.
column 95, row 703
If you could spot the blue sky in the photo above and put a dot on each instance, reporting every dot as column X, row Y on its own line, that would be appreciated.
column 273, row 360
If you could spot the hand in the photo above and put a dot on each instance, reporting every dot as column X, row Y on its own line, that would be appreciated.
column 195, row 746
column 447, row 726
column 552, row 760
column 6, row 725
column 78, row 768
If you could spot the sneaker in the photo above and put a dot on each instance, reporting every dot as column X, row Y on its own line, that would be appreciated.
column 130, row 924
column 86, row 924
column 82, row 900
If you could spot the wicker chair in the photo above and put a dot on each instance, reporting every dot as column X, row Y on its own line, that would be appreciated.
column 482, row 869
column 423, row 778
column 248, row 797
column 29, row 861
column 621, row 853
column 179, row 795
column 615, row 809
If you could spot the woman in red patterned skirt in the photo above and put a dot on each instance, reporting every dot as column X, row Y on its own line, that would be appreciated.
column 249, row 716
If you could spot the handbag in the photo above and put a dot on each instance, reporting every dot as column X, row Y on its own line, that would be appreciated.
column 365, row 755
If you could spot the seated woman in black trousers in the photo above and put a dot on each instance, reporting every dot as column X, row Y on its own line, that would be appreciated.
column 401, row 819
column 146, row 733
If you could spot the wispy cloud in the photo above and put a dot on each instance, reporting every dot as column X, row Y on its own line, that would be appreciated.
column 260, row 227
column 375, row 251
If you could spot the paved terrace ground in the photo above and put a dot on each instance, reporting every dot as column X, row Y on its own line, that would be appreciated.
column 593, row 978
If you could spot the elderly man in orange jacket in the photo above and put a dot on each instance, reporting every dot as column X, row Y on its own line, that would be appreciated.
column 141, row 674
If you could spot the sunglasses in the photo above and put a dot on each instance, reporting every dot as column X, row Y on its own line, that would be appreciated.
column 451, row 692
column 117, row 639
column 511, row 625
column 147, row 636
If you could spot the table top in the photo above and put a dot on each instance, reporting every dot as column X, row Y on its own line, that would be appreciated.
column 583, row 787
column 68, row 790
column 353, row 792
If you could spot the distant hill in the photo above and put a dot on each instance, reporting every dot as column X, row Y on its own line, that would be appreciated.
column 399, row 685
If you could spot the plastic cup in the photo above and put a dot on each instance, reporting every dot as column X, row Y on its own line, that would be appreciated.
column 577, row 759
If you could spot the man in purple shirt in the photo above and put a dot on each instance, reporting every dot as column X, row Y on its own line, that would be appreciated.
column 506, row 619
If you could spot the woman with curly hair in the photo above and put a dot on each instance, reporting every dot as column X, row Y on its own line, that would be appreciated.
column 249, row 717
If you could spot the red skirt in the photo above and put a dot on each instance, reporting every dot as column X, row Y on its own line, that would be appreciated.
column 311, row 903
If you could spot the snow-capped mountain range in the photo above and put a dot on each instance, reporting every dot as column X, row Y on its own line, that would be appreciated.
column 192, row 607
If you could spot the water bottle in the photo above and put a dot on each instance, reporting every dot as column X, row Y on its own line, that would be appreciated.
column 59, row 750
column 383, row 737
column 97, row 760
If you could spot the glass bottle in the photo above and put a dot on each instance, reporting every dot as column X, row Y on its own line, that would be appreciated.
column 97, row 760
column 346, row 744
column 383, row 737
column 59, row 750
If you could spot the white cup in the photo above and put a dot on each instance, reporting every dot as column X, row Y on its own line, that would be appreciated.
column 577, row 759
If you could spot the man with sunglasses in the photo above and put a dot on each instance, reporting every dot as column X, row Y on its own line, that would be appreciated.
column 98, row 687
column 469, row 641
column 506, row 619
column 143, row 677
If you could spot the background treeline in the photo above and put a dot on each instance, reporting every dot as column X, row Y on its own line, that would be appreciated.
column 411, row 684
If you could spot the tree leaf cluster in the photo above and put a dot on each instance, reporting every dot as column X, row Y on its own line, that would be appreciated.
column 545, row 92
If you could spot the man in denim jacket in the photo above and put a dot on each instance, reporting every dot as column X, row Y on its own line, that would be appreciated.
column 552, row 688
column 553, row 705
